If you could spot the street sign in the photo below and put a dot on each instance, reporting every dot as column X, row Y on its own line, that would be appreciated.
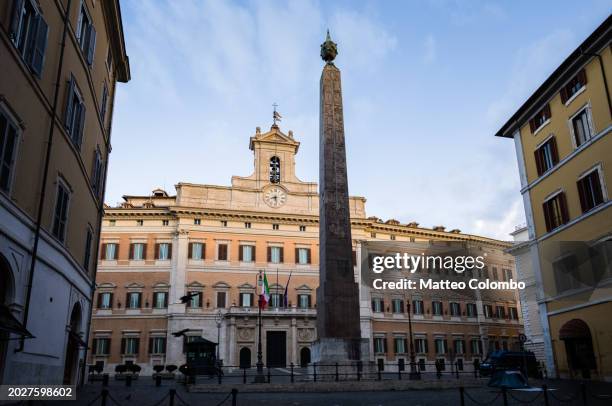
column 522, row 338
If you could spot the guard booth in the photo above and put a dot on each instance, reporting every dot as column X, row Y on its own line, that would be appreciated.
column 201, row 356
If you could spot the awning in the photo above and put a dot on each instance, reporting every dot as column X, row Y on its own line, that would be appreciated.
column 10, row 324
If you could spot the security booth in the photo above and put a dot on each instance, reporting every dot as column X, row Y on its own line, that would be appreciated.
column 201, row 356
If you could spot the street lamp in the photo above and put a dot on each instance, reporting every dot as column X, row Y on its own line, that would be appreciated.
column 259, row 378
column 219, row 319
column 414, row 375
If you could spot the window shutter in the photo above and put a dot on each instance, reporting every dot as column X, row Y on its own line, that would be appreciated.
column 282, row 255
column 15, row 17
column 99, row 300
column 269, row 254
column 203, row 251
column 545, row 207
column 240, row 301
column 103, row 251
column 166, row 299
column 354, row 257
column 546, row 111
column 190, row 251
column 445, row 345
column 254, row 255
column 156, row 251
column 139, row 300
column 597, row 187
column 110, row 301
column 385, row 348
column 145, row 255
column 308, row 256
column 123, row 345
column 164, row 345
column 536, row 155
column 582, row 195
column 150, row 345
column 240, row 254
column 137, row 345
column 563, row 94
column 555, row 153
column 170, row 250
column 251, row 299
column 92, row 44
column 582, row 77
column 39, row 46
column 532, row 125
column 127, row 300
column 297, row 255
column 402, row 306
column 426, row 346
column 563, row 205
column 68, row 112
column 309, row 301
column 94, row 345
column 200, row 299
column 81, row 124
column 373, row 305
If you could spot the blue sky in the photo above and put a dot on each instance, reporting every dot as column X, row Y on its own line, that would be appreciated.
column 426, row 85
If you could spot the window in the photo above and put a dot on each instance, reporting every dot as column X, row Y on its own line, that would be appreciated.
column 476, row 346
column 74, row 119
column 546, row 156
column 380, row 345
column 513, row 313
column 471, row 310
column 378, row 305
column 302, row 228
column 86, row 34
column 222, row 252
column 157, row 345
column 197, row 222
column 88, row 240
column 196, row 300
column 275, row 226
column 137, row 251
column 197, row 251
column 97, row 173
column 302, row 256
column 567, row 273
column 129, row 345
column 101, row 346
column 223, row 223
column 441, row 346
column 60, row 216
column 165, row 222
column 455, row 309
column 276, row 300
column 246, row 299
column 163, row 251
column 275, row 175
column 417, row 306
column 420, row 345
column 488, row 311
column 160, row 300
column 133, row 300
column 573, row 86
column 555, row 211
column 398, row 305
column 105, row 300
column 459, row 346
column 28, row 30
column 304, row 301
column 436, row 308
column 247, row 225
column 140, row 223
column 275, row 255
column 539, row 119
column 110, row 251
column 8, row 149
column 247, row 253
column 392, row 236
column 500, row 312
column 400, row 345
column 581, row 127
column 112, row 223
column 372, row 235
column 103, row 103
column 507, row 274
column 590, row 191
column 221, row 296
column 494, row 272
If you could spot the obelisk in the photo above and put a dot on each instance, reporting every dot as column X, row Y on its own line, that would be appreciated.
column 339, row 337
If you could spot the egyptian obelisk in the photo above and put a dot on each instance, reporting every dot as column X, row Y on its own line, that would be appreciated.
column 339, row 337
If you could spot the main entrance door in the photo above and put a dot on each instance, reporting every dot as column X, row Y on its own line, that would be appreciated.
column 276, row 349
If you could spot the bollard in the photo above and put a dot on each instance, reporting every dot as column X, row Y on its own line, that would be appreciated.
column 314, row 370
column 545, row 393
column 505, row 396
column 104, row 397
column 128, row 380
column 105, row 380
column 158, row 380
column 269, row 375
column 584, row 393
column 244, row 375
column 292, row 372
column 461, row 396
column 172, row 393
column 399, row 371
column 234, row 395
column 336, row 372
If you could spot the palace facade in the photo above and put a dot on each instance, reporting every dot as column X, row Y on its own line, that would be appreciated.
column 210, row 242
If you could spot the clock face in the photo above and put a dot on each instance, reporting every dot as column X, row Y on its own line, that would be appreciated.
column 275, row 197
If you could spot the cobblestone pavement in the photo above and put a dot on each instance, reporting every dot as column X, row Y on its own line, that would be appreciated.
column 144, row 393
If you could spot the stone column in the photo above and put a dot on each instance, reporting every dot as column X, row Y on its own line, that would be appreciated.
column 178, row 277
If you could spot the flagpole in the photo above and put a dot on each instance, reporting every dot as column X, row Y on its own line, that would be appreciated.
column 259, row 378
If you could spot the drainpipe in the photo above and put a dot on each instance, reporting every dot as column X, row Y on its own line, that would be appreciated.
column 43, row 188
column 603, row 75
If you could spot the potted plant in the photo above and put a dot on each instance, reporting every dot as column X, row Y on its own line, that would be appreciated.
column 120, row 371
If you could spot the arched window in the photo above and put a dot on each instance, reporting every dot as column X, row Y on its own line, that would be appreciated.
column 275, row 175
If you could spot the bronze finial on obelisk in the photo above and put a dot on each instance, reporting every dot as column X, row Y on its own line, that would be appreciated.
column 338, row 326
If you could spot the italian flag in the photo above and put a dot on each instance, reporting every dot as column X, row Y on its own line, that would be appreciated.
column 264, row 295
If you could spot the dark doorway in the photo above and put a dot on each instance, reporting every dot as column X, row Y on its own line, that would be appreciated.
column 245, row 357
column 72, row 348
column 276, row 349
column 578, row 348
column 304, row 357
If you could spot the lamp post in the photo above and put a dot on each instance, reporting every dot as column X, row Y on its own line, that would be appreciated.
column 414, row 375
column 259, row 378
column 219, row 319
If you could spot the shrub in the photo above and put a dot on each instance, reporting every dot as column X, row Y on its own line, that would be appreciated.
column 121, row 368
column 170, row 368
column 158, row 368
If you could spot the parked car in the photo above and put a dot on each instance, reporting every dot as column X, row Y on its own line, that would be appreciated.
column 510, row 361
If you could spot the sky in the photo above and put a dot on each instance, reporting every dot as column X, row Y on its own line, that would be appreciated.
column 425, row 84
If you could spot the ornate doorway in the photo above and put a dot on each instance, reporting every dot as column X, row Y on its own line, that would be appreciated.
column 276, row 349
column 245, row 357
column 304, row 357
column 71, row 362
column 578, row 348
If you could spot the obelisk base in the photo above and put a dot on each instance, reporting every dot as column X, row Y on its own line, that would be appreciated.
column 340, row 359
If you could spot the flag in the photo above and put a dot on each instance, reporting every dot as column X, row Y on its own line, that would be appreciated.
column 286, row 287
column 276, row 116
column 264, row 294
